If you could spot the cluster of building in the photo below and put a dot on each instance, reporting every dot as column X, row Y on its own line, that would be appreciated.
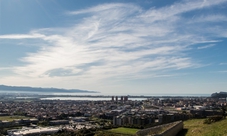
column 17, row 122
column 147, row 118
column 121, row 112
column 163, row 110
column 122, row 98
column 59, row 109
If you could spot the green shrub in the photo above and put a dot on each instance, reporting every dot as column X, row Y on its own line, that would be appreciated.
column 212, row 119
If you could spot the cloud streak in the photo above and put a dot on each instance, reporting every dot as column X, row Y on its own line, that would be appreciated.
column 22, row 36
column 207, row 46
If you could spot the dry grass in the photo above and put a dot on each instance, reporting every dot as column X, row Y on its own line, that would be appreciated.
column 196, row 127
column 11, row 118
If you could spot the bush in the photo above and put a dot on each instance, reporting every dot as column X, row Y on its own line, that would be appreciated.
column 212, row 119
column 207, row 121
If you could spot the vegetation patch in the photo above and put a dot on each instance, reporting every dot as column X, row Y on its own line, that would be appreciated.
column 196, row 127
column 212, row 119
column 123, row 130
column 11, row 118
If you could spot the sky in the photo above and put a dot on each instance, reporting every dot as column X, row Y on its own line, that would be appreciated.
column 115, row 46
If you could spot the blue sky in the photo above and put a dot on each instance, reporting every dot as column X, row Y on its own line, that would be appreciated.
column 117, row 46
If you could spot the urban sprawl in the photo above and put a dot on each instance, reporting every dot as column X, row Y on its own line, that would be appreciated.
column 55, row 117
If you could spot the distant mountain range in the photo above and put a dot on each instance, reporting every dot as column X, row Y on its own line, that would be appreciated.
column 39, row 89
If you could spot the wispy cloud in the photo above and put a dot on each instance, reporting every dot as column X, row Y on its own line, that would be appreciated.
column 222, row 71
column 209, row 18
column 181, row 7
column 223, row 64
column 118, row 40
column 206, row 46
column 6, row 68
column 116, row 7
column 21, row 36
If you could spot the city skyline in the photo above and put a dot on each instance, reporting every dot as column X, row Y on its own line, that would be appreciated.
column 147, row 47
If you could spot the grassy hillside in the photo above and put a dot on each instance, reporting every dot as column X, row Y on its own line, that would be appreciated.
column 195, row 127
column 121, row 131
column 11, row 118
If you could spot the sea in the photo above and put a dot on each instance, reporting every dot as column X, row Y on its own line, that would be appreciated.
column 108, row 96
column 88, row 98
column 95, row 96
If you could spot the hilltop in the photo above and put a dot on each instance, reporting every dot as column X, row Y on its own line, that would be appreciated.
column 219, row 95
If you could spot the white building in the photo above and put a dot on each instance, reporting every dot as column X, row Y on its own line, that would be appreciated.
column 32, row 131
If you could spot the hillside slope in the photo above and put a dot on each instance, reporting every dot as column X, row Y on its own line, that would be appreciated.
column 195, row 127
